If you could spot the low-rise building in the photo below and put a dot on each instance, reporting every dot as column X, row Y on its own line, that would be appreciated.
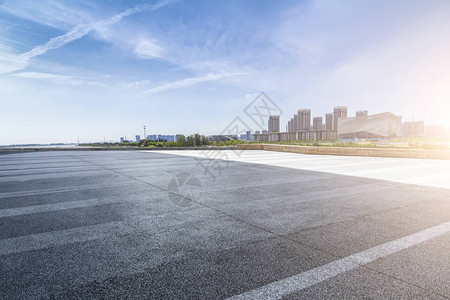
column 260, row 137
column 416, row 128
column 221, row 138
column 383, row 125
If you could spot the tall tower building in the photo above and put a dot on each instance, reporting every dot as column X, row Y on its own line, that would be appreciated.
column 317, row 123
column 248, row 135
column 329, row 121
column 274, row 123
column 295, row 125
column 338, row 112
column 362, row 113
column 304, row 119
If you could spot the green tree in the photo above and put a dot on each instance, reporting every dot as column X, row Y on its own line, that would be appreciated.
column 181, row 141
column 204, row 140
column 197, row 140
column 190, row 141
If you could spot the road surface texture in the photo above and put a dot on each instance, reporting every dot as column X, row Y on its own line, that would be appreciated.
column 226, row 224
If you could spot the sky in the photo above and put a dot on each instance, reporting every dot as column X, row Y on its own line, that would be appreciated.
column 100, row 70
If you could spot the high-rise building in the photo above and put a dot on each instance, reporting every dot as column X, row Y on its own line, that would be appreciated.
column 248, row 135
column 138, row 138
column 338, row 112
column 362, row 113
column 121, row 139
column 304, row 119
column 152, row 137
column 265, row 132
column 317, row 123
column 274, row 123
column 329, row 121
column 413, row 128
column 295, row 125
column 289, row 129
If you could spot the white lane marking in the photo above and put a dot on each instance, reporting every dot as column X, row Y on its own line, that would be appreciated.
column 63, row 237
column 167, row 224
column 296, row 283
column 62, row 190
column 46, row 176
column 27, row 210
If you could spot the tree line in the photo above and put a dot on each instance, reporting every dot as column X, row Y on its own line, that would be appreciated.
column 194, row 140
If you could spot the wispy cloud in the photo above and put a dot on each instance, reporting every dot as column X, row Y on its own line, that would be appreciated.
column 78, row 32
column 189, row 81
column 57, row 78
column 136, row 84
column 57, row 42
column 148, row 49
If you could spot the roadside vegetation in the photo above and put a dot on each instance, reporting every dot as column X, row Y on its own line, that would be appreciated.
column 414, row 143
column 197, row 140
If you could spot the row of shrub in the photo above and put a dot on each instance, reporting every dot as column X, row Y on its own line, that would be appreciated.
column 194, row 140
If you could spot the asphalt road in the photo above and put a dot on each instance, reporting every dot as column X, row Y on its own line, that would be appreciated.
column 258, row 225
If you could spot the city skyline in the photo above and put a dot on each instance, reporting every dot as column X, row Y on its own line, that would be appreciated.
column 238, row 149
column 94, row 70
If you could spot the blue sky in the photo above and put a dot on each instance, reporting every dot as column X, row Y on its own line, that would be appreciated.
column 95, row 69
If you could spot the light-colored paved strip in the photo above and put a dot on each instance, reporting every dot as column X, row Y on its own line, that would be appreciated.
column 430, row 172
column 27, row 210
column 63, row 237
column 296, row 283
column 150, row 224
column 62, row 190
column 47, row 176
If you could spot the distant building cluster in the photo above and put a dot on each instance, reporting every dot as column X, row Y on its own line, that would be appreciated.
column 339, row 126
column 335, row 126
column 418, row 128
column 162, row 137
column 153, row 137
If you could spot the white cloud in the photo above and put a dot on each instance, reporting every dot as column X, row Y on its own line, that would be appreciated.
column 56, row 78
column 57, row 42
column 148, row 49
column 49, row 12
column 189, row 81
column 136, row 84
column 76, row 33
column 10, row 63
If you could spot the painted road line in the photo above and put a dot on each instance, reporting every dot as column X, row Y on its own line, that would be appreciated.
column 27, row 210
column 296, row 283
column 64, row 190
column 64, row 237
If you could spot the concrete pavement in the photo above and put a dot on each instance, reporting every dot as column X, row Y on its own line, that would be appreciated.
column 101, row 225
